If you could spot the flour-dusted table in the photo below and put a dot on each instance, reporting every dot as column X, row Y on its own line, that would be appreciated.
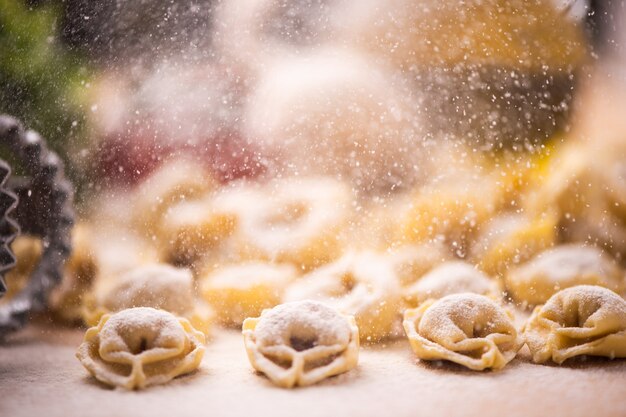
column 40, row 376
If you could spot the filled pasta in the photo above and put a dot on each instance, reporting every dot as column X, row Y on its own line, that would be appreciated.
column 140, row 347
column 301, row 343
column 581, row 320
column 468, row 329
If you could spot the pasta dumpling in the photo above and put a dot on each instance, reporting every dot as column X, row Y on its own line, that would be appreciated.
column 158, row 286
column 468, row 329
column 139, row 347
column 562, row 267
column 452, row 277
column 175, row 181
column 297, row 220
column 511, row 239
column 360, row 284
column 580, row 320
column 411, row 262
column 301, row 343
column 245, row 290
column 189, row 229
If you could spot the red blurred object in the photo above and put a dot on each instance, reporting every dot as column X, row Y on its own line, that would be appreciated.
column 125, row 158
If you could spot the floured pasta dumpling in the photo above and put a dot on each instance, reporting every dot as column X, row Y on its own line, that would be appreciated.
column 510, row 239
column 158, row 286
column 79, row 275
column 361, row 284
column 245, row 290
column 301, row 343
column 189, row 229
column 452, row 209
column 468, row 329
column 139, row 347
column 411, row 262
column 175, row 181
column 295, row 220
column 452, row 277
column 581, row 320
column 562, row 267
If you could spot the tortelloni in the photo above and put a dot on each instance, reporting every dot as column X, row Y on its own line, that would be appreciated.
column 296, row 220
column 301, row 343
column 581, row 320
column 468, row 329
column 139, row 347
column 362, row 284
column 245, row 290
column 158, row 286
column 452, row 277
column 562, row 267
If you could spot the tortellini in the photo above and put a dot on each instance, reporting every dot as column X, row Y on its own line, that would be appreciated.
column 297, row 220
column 468, row 329
column 79, row 275
column 452, row 208
column 189, row 229
column 452, row 277
column 561, row 267
column 411, row 262
column 139, row 347
column 158, row 286
column 511, row 239
column 581, row 320
column 301, row 343
column 245, row 290
column 176, row 180
column 362, row 284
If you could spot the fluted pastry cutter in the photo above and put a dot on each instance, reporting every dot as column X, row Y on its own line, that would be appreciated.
column 37, row 204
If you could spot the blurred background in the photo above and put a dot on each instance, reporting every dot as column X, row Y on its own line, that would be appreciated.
column 118, row 85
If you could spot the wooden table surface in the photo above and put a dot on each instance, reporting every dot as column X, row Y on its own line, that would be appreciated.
column 40, row 376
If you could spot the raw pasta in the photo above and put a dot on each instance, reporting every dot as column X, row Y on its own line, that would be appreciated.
column 245, row 290
column 511, row 239
column 175, row 181
column 452, row 277
column 190, row 229
column 561, row 267
column 361, row 284
column 158, row 286
column 139, row 347
column 301, row 343
column 295, row 220
column 581, row 320
column 468, row 329
column 411, row 262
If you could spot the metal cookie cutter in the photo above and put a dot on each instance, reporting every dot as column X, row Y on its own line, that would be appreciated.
column 41, row 204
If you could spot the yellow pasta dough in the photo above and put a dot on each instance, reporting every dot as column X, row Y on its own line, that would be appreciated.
column 511, row 239
column 295, row 220
column 245, row 290
column 561, row 267
column 79, row 276
column 581, row 320
column 190, row 229
column 411, row 262
column 139, row 347
column 468, row 329
column 301, row 343
column 452, row 277
column 158, row 286
column 362, row 284
column 176, row 180
column 452, row 209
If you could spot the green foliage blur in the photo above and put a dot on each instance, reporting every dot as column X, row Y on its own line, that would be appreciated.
column 41, row 81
